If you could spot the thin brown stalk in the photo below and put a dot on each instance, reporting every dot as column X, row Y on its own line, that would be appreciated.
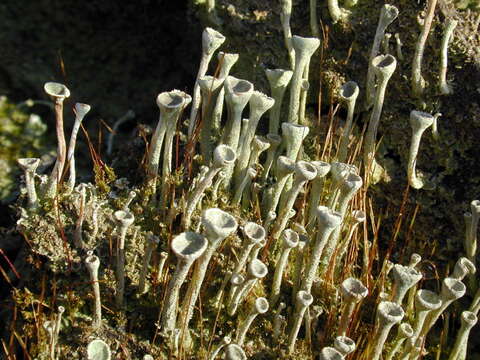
column 328, row 139
column 6, row 351
column 349, row 54
column 22, row 344
column 398, row 222
column 12, row 328
column 12, row 267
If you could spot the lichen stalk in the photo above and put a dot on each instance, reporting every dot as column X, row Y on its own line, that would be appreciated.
column 304, row 49
column 386, row 43
column 399, row 45
column 327, row 221
column 218, row 225
column 187, row 247
column 237, row 95
column 388, row 314
column 405, row 277
column 216, row 184
column 151, row 243
column 56, row 330
column 217, row 302
column 259, row 145
column 97, row 206
column 274, row 141
column 468, row 320
column 171, row 129
column 303, row 300
column 48, row 327
column 254, row 235
column 124, row 219
column 388, row 14
column 170, row 105
column 243, row 187
column 225, row 341
column 210, row 89
column 358, row 217
column 339, row 172
column 226, row 62
column 80, row 111
column 350, row 185
column 285, row 15
column 323, row 168
column 336, row 12
column 344, row 345
column 301, row 251
column 223, row 156
column 284, row 168
column 256, row 270
column 259, row 307
column 445, row 88
column 58, row 93
column 211, row 41
column 352, row 291
column 383, row 67
column 278, row 321
column 475, row 305
column 471, row 220
column 404, row 332
column 129, row 115
column 78, row 232
column 425, row 302
column 412, row 348
column 304, row 172
column 235, row 280
column 259, row 104
column 452, row 289
column 417, row 81
column 92, row 263
column 131, row 195
column 419, row 121
column 290, row 240
column 330, row 353
column 29, row 166
column 293, row 136
column 462, row 268
column 161, row 265
column 256, row 249
column 278, row 80
column 348, row 95
column 303, row 95
column 234, row 352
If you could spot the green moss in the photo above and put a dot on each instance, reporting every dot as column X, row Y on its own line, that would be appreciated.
column 21, row 135
column 104, row 176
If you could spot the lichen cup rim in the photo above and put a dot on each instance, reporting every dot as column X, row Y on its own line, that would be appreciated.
column 189, row 245
column 219, row 222
column 56, row 90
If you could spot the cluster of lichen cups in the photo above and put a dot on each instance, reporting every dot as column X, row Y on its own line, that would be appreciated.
column 300, row 245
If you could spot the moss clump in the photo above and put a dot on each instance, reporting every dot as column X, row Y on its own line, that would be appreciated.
column 21, row 135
